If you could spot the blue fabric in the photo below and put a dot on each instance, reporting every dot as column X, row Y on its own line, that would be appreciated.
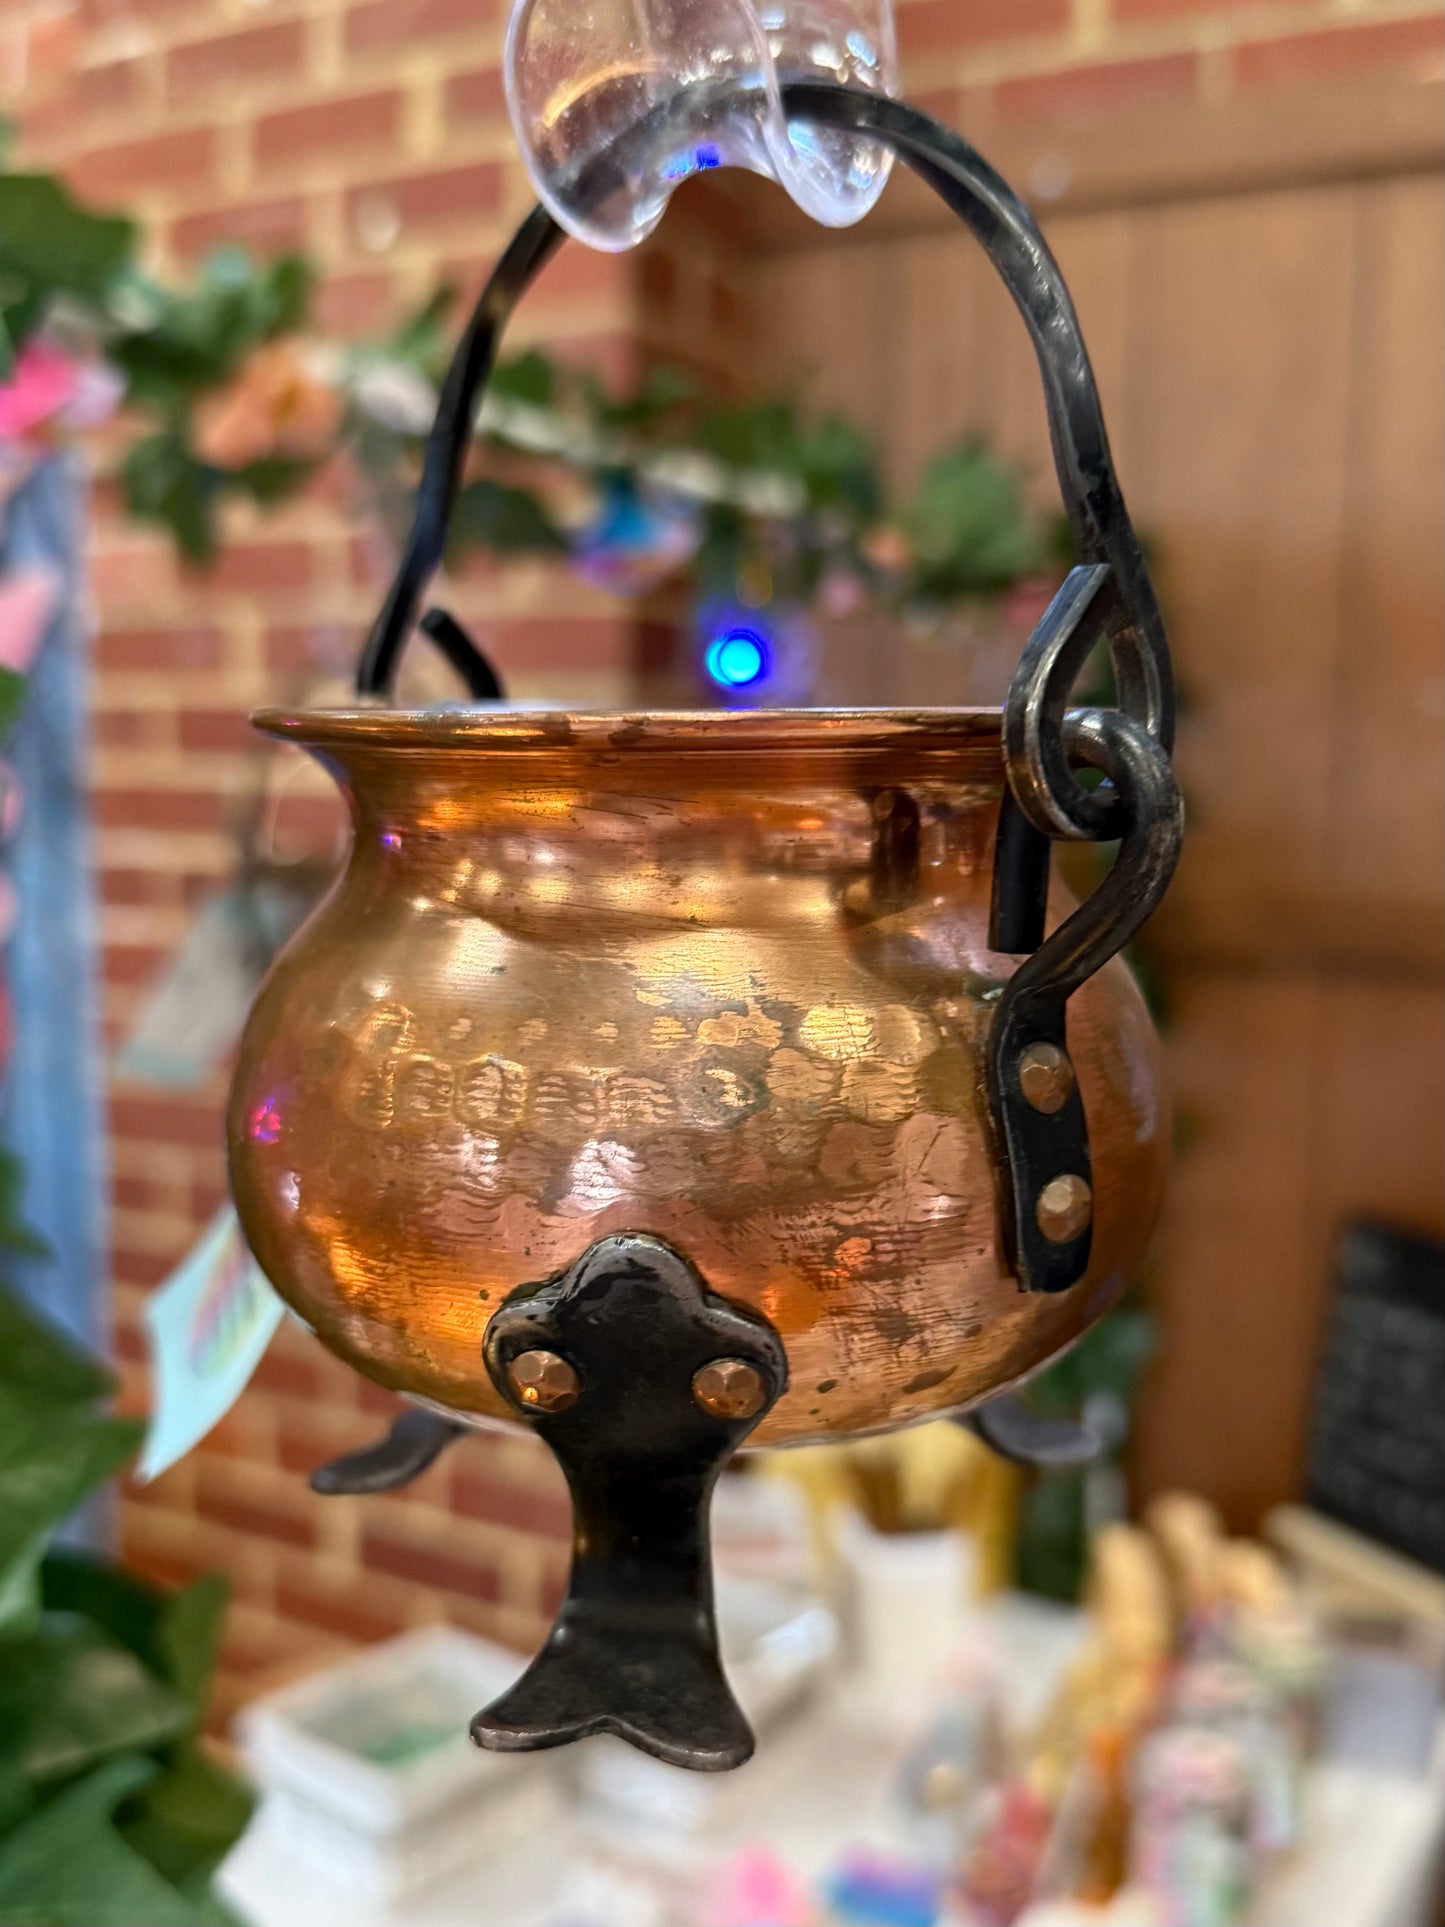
column 52, row 1100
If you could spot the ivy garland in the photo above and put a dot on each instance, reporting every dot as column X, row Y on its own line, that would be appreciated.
column 228, row 391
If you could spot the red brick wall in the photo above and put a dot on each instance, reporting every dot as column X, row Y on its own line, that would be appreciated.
column 372, row 133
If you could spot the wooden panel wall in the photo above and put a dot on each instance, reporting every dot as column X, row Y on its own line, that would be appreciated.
column 1271, row 371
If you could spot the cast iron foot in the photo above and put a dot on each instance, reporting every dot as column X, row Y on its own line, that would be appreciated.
column 1009, row 1428
column 643, row 1383
column 414, row 1441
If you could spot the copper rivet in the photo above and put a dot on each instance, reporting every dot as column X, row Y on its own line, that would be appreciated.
column 729, row 1389
column 544, row 1381
column 1046, row 1078
column 1064, row 1209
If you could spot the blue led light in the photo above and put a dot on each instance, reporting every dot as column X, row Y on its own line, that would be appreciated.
column 736, row 658
column 680, row 167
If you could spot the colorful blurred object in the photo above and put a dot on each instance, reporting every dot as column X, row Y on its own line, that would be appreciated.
column 42, row 383
column 636, row 540
column 277, row 407
column 757, row 1889
column 877, row 1890
column 27, row 602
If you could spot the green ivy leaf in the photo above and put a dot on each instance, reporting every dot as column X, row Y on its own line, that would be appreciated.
column 51, row 1457
column 72, row 1696
column 188, row 1818
column 197, row 340
column 15, row 1234
column 287, row 285
column 838, row 469
column 34, row 1353
column 969, row 527
column 530, row 378
column 189, row 1636
column 50, row 244
column 508, row 521
column 762, row 434
column 272, row 481
column 166, row 483
column 175, row 1635
column 12, row 699
column 423, row 338
column 74, row 1580
column 67, row 1866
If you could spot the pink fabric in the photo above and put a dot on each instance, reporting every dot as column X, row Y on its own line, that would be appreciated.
column 42, row 382
column 27, row 602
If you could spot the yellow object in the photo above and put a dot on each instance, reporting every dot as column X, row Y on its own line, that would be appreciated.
column 1190, row 1533
column 1252, row 1578
column 917, row 1480
column 1128, row 1595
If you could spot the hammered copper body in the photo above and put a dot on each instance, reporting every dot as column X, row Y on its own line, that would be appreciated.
column 720, row 978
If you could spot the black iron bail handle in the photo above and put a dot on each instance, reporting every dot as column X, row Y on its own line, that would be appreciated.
column 1107, row 598
column 1047, row 793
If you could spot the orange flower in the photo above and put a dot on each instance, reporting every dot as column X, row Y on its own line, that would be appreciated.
column 275, row 405
column 887, row 549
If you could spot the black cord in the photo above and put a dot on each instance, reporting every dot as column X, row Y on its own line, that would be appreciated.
column 483, row 683
column 530, row 248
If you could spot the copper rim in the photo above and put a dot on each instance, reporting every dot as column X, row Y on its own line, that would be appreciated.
column 659, row 729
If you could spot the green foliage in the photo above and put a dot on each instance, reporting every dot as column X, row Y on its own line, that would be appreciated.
column 651, row 410
column 50, row 245
column 68, row 1865
column 508, row 521
column 968, row 527
column 186, row 345
column 110, row 1812
column 782, row 501
column 1106, row 1365
column 754, row 434
column 528, row 378
column 838, row 470
column 422, row 340
column 166, row 483
column 787, row 498
column 12, row 695
column 194, row 341
column 15, row 1235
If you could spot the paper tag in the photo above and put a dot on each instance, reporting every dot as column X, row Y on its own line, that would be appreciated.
column 209, row 1324
column 195, row 1014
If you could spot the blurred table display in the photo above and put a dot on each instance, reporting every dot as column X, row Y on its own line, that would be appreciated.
column 369, row 1781
column 616, row 1849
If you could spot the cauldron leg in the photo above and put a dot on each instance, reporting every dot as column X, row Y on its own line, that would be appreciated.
column 1009, row 1428
column 643, row 1383
column 414, row 1441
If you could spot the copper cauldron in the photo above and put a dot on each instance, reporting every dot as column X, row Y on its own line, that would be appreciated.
column 672, row 1081
column 722, row 978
